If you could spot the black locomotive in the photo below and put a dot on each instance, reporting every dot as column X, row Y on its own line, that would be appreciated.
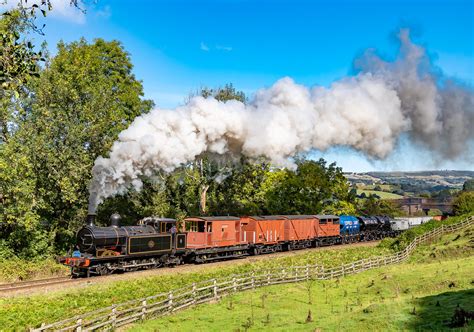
column 102, row 250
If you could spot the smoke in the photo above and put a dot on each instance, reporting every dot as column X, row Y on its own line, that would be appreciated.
column 367, row 112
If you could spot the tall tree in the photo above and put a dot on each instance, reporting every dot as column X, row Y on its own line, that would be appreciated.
column 309, row 189
column 84, row 97
column 210, row 170
column 464, row 203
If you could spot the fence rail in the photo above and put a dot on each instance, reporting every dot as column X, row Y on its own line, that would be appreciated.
column 165, row 303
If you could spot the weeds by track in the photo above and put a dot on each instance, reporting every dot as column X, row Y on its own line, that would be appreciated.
column 31, row 284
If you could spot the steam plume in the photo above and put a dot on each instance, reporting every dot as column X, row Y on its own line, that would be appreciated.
column 368, row 112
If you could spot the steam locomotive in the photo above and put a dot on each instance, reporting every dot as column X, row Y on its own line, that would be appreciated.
column 156, row 242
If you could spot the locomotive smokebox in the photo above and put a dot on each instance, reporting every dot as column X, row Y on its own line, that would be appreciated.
column 115, row 220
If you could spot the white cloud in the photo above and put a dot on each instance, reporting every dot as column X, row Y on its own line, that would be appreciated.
column 223, row 48
column 64, row 11
column 204, row 47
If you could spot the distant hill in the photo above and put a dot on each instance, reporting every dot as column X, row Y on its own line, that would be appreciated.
column 414, row 181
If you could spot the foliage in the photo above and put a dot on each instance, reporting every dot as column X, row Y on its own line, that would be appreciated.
column 14, row 269
column 468, row 185
column 226, row 93
column 308, row 189
column 373, row 206
column 18, row 59
column 83, row 98
column 464, row 203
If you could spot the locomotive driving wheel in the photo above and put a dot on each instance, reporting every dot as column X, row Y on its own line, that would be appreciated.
column 102, row 270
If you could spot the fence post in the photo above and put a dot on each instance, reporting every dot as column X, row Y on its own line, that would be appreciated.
column 234, row 284
column 170, row 301
column 296, row 273
column 144, row 307
column 79, row 325
column 253, row 280
column 307, row 272
column 268, row 277
column 114, row 316
column 215, row 288
column 194, row 292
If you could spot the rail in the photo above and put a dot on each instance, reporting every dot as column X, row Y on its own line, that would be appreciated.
column 32, row 283
column 158, row 305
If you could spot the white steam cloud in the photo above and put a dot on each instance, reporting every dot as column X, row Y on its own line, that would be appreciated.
column 368, row 112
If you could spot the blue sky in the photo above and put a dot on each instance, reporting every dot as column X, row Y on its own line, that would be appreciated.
column 178, row 46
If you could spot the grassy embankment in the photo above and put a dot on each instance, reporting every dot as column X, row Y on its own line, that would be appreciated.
column 16, row 269
column 55, row 305
column 421, row 294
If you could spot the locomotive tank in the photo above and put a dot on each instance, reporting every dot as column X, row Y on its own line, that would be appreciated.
column 91, row 237
column 386, row 223
column 368, row 224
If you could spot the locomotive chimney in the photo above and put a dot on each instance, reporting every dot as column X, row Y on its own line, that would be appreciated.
column 90, row 219
column 115, row 220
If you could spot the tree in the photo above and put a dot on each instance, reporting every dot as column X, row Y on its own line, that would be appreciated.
column 464, row 203
column 309, row 189
column 468, row 185
column 209, row 169
column 375, row 206
column 19, row 60
column 83, row 98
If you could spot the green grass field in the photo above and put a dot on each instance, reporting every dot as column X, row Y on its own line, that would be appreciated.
column 420, row 295
column 381, row 194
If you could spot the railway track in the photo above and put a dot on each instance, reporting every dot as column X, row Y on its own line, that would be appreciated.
column 34, row 285
column 29, row 284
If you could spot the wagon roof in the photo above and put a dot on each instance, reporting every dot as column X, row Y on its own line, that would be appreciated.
column 299, row 216
column 215, row 218
column 267, row 217
column 326, row 216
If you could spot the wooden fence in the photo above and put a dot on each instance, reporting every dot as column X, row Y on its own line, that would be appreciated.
column 121, row 314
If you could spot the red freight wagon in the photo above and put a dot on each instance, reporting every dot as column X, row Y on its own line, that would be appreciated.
column 205, row 232
column 328, row 228
column 263, row 229
column 300, row 227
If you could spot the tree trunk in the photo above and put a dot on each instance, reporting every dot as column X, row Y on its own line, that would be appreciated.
column 203, row 200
